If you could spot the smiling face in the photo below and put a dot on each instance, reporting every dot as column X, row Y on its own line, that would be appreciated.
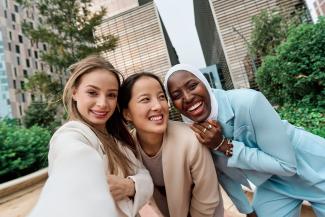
column 96, row 96
column 189, row 95
column 148, row 108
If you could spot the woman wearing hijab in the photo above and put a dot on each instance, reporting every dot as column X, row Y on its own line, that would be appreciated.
column 249, row 141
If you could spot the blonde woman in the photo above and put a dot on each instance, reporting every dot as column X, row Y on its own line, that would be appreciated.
column 94, row 147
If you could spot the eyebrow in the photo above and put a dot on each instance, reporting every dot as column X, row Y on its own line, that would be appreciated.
column 97, row 88
column 185, row 84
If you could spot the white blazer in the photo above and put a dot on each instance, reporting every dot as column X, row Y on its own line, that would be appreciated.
column 77, row 184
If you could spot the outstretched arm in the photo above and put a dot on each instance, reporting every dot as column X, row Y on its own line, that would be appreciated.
column 77, row 185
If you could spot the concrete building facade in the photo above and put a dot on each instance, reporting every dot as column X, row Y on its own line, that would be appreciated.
column 143, row 43
column 224, row 29
column 19, row 58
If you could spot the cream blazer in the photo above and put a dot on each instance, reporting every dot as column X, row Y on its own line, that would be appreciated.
column 190, row 178
column 77, row 184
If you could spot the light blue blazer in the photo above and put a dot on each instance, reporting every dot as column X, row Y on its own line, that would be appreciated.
column 264, row 145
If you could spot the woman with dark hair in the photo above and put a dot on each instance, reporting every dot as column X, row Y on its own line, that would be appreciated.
column 177, row 162
column 94, row 147
column 250, row 142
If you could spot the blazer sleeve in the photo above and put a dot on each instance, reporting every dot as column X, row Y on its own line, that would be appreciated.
column 235, row 192
column 205, row 192
column 143, row 187
column 77, row 185
column 275, row 153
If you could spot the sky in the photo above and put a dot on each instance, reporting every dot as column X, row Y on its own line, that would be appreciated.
column 178, row 18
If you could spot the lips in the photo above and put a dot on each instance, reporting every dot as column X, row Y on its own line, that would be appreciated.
column 195, row 109
column 99, row 114
column 156, row 118
column 195, row 106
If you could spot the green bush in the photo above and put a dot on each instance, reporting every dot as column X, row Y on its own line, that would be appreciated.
column 41, row 114
column 297, row 71
column 22, row 150
column 312, row 119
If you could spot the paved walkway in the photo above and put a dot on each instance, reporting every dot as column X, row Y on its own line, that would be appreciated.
column 21, row 206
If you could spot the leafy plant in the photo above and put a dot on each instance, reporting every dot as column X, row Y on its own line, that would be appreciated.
column 297, row 71
column 41, row 114
column 312, row 119
column 22, row 150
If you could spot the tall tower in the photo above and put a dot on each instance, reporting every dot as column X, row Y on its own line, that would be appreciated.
column 19, row 57
column 224, row 29
column 143, row 42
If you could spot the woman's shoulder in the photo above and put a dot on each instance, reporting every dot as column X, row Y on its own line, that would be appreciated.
column 237, row 98
column 74, row 131
column 180, row 132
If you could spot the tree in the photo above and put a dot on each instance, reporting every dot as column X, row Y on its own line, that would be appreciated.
column 67, row 29
column 40, row 114
column 270, row 29
column 296, row 73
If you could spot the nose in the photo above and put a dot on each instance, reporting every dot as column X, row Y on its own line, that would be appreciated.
column 156, row 105
column 188, row 97
column 102, row 101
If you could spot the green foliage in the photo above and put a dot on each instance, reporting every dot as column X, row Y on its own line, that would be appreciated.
column 297, row 71
column 270, row 29
column 66, row 27
column 312, row 119
column 41, row 114
column 42, row 84
column 22, row 150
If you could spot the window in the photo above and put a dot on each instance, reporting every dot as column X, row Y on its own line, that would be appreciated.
column 27, row 63
column 5, row 12
column 36, row 65
column 20, row 110
column 23, row 97
column 9, row 46
column 20, row 38
column 15, row 71
column 22, row 85
column 14, row 83
column 16, row 8
column 10, row 35
column 42, row 66
column 44, row 47
column 18, row 60
column 17, row 49
column 33, row 97
column 25, row 73
column 36, row 54
column 29, row 52
column 13, row 17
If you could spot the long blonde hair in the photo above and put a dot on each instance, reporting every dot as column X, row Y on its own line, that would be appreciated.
column 118, row 162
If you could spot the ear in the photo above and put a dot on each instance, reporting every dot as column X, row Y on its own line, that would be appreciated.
column 74, row 93
column 127, row 115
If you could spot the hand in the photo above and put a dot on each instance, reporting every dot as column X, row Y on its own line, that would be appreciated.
column 208, row 136
column 121, row 187
column 252, row 214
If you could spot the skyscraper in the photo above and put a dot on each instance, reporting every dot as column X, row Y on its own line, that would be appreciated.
column 19, row 57
column 143, row 42
column 224, row 29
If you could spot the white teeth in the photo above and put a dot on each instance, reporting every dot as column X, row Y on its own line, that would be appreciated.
column 156, row 118
column 195, row 106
